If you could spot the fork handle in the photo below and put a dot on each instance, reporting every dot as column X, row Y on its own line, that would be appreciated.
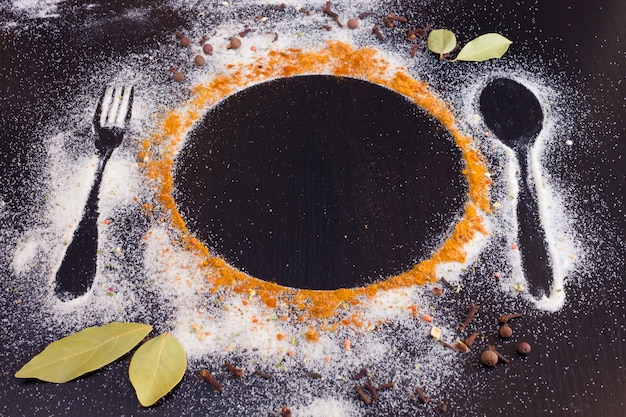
column 78, row 268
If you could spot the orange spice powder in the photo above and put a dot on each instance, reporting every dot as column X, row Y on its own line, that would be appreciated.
column 339, row 59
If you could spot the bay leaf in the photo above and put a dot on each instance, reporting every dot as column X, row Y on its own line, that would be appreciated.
column 157, row 367
column 484, row 47
column 441, row 41
column 85, row 351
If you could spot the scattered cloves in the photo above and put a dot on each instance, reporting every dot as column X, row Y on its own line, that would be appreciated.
column 364, row 15
column 445, row 281
column 366, row 398
column 360, row 374
column 263, row 374
column 422, row 396
column 372, row 390
column 506, row 317
column 244, row 32
column 400, row 19
column 326, row 9
column 500, row 356
column 386, row 385
column 238, row 372
column 446, row 344
column 470, row 339
column 379, row 35
column 473, row 309
column 208, row 377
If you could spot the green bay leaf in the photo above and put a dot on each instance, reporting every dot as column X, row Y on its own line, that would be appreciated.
column 85, row 351
column 484, row 47
column 441, row 41
column 156, row 368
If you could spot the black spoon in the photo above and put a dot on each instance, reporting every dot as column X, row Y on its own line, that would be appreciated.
column 514, row 114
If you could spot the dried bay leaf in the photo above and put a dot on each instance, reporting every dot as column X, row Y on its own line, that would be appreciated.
column 85, row 351
column 484, row 47
column 157, row 367
column 441, row 41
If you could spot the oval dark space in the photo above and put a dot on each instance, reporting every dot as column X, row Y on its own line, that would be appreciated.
column 320, row 182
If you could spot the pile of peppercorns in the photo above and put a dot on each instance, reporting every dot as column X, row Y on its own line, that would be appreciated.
column 490, row 356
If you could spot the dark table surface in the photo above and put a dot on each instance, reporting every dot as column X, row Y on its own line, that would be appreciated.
column 578, row 365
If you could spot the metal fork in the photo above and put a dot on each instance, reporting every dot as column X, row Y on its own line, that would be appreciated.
column 77, row 271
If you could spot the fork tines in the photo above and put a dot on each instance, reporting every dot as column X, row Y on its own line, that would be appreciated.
column 115, row 105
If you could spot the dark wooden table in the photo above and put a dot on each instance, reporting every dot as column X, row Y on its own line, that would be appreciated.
column 577, row 367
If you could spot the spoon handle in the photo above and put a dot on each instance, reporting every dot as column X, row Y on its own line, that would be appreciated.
column 78, row 268
column 531, row 236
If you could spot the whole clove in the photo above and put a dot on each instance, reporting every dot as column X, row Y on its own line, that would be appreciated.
column 470, row 339
column 445, row 281
column 506, row 317
column 208, row 377
column 285, row 412
column 238, row 372
column 388, row 23
column 422, row 396
column 314, row 375
column 326, row 9
column 263, row 374
column 461, row 347
column 366, row 398
column 372, row 390
column 379, row 35
column 386, row 385
column 446, row 344
column 281, row 6
column 244, row 32
column 471, row 314
column 400, row 19
column 500, row 356
column 364, row 15
column 417, row 33
column 360, row 374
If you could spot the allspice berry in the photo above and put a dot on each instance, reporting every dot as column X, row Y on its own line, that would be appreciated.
column 185, row 41
column 207, row 48
column 199, row 61
column 523, row 348
column 489, row 358
column 353, row 23
column 235, row 43
column 506, row 331
column 179, row 76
